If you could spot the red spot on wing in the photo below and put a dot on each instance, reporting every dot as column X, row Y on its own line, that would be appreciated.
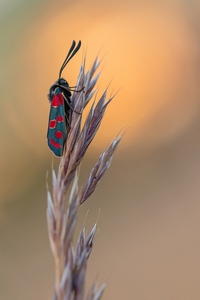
column 60, row 119
column 54, row 102
column 52, row 124
column 57, row 100
column 59, row 134
column 55, row 144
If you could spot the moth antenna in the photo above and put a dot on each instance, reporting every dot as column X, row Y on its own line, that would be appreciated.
column 69, row 56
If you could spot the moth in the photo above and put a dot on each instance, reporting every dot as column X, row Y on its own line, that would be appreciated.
column 60, row 107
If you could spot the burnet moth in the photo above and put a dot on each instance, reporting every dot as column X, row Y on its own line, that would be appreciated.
column 60, row 106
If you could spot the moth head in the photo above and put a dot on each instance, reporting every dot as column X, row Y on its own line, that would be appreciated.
column 62, row 82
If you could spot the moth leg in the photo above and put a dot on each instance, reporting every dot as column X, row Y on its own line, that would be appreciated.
column 79, row 113
column 67, row 121
column 72, row 88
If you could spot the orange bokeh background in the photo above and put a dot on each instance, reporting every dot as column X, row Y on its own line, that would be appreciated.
column 149, row 240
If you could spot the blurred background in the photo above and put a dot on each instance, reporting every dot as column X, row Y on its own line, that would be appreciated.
column 148, row 241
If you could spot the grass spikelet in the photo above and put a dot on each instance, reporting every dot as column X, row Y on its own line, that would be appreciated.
column 70, row 262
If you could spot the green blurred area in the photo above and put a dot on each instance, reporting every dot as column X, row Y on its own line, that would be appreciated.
column 148, row 244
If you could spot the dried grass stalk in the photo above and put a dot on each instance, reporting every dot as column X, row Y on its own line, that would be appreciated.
column 70, row 262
